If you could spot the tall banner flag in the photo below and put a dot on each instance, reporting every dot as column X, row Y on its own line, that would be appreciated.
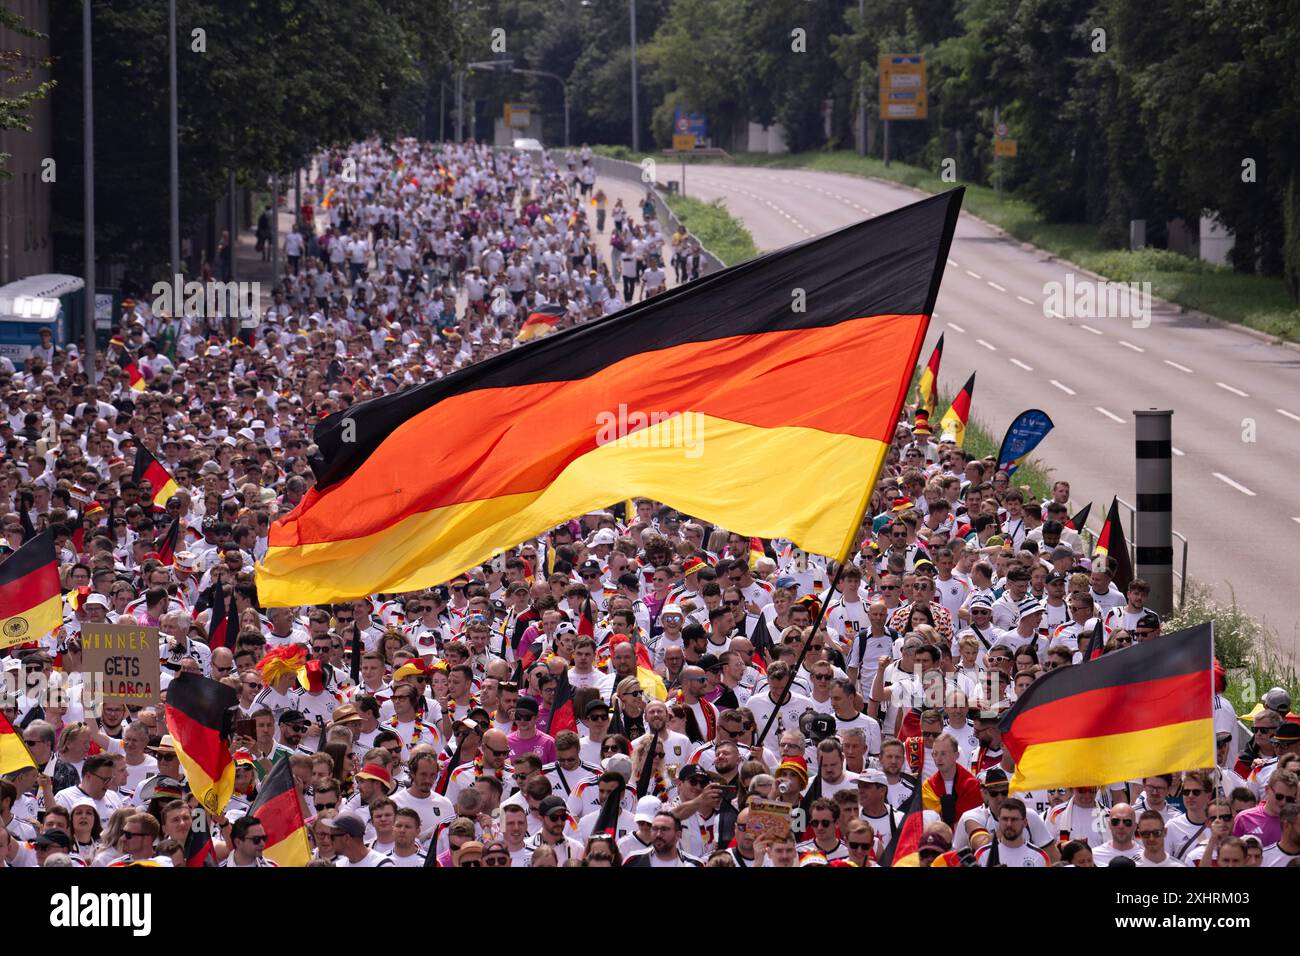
column 412, row 488
column 31, row 597
column 1144, row 710
column 160, row 480
column 280, row 811
column 1023, row 435
column 929, row 384
column 958, row 414
column 199, row 719
column 1111, row 543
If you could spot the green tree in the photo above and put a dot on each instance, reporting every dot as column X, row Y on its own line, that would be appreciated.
column 14, row 110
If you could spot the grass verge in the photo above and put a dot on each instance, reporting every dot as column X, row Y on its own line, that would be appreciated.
column 718, row 231
column 1257, row 302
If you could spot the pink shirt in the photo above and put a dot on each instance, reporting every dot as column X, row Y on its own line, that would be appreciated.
column 541, row 744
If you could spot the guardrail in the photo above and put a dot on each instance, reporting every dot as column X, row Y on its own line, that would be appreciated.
column 631, row 172
column 1130, row 541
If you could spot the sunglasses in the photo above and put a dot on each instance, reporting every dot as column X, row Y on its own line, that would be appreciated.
column 859, row 846
column 600, row 858
column 556, row 817
column 1219, row 816
column 471, row 863
column 1121, row 822
column 821, row 823
column 495, row 860
column 1150, row 834
column 1189, row 792
column 1283, row 798
column 326, row 806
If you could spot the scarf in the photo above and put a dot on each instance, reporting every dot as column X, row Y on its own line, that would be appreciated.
column 950, row 806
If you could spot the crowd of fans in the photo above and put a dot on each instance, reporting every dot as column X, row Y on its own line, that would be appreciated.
column 493, row 716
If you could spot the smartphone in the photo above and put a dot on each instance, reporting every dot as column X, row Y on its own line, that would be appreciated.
column 245, row 727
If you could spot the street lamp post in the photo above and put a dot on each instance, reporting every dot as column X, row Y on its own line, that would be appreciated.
column 173, row 148
column 509, row 66
column 88, row 214
column 636, row 119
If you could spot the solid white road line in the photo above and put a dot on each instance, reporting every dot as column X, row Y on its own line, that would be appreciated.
column 996, row 286
column 1228, row 481
column 1020, row 364
column 1290, row 415
column 1089, row 328
column 1130, row 345
column 1111, row 415
column 1229, row 388
column 987, row 345
column 1065, row 388
column 955, row 328
column 1181, row 368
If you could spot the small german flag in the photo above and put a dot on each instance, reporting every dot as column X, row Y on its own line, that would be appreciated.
column 958, row 414
column 1111, row 544
column 1080, row 520
column 540, row 321
column 135, row 376
column 199, row 850
column 14, row 754
column 147, row 468
column 414, row 487
column 756, row 551
column 199, row 719
column 280, row 810
column 165, row 543
column 31, row 598
column 929, row 385
column 902, row 849
column 1147, row 709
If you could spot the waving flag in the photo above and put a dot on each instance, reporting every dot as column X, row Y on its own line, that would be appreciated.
column 280, row 811
column 540, row 321
column 1144, row 710
column 147, row 468
column 199, row 719
column 930, row 379
column 1111, row 544
column 415, row 486
column 958, row 414
column 14, row 754
column 31, row 601
column 135, row 376
column 1080, row 520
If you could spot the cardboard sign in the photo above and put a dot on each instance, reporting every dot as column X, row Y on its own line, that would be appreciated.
column 127, row 657
column 768, row 816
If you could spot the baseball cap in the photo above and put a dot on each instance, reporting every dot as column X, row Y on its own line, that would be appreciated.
column 551, row 804
column 53, row 837
column 873, row 775
column 646, row 808
column 347, row 823
column 671, row 609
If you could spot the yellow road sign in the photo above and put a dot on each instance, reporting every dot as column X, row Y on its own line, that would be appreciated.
column 684, row 141
column 1004, row 147
column 902, row 86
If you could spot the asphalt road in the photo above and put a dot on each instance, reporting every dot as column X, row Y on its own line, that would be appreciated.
column 1236, row 399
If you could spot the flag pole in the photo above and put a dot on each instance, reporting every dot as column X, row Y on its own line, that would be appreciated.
column 807, row 645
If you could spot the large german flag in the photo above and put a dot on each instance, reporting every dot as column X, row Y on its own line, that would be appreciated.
column 280, row 811
column 1144, row 710
column 14, row 754
column 712, row 397
column 199, row 719
column 929, row 385
column 31, row 602
column 147, row 468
